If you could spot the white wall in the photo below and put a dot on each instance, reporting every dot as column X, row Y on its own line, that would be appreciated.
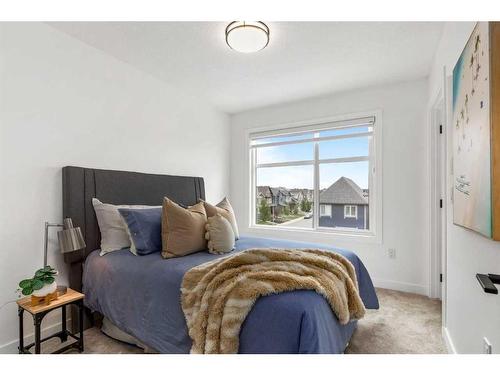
column 63, row 102
column 54, row 88
column 405, row 188
column 471, row 313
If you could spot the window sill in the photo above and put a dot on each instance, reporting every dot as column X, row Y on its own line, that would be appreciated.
column 320, row 233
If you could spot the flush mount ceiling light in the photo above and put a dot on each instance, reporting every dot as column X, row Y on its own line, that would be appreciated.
column 247, row 36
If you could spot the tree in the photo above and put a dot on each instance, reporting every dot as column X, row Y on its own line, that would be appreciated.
column 304, row 205
column 264, row 211
column 294, row 209
column 286, row 210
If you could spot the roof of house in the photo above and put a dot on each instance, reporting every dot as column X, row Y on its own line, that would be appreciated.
column 264, row 190
column 343, row 191
column 366, row 193
column 284, row 191
column 275, row 191
column 303, row 191
column 270, row 192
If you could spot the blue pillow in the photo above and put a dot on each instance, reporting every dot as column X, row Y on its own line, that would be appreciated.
column 144, row 228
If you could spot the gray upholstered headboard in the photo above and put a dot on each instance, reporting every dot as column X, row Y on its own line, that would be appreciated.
column 80, row 185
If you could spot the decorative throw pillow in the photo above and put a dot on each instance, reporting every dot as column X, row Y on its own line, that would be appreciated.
column 144, row 228
column 182, row 229
column 219, row 234
column 114, row 234
column 226, row 210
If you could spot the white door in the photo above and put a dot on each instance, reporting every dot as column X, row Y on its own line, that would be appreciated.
column 441, row 189
column 438, row 201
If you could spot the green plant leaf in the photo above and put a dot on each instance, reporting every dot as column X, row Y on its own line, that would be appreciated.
column 25, row 283
column 48, row 280
column 39, row 273
column 37, row 284
column 27, row 291
column 47, row 271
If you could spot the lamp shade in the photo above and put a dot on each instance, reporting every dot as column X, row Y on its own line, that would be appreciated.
column 70, row 238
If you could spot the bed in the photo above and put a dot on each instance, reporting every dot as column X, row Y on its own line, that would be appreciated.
column 141, row 294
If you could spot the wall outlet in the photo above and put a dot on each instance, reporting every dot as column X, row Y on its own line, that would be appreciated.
column 487, row 349
column 391, row 253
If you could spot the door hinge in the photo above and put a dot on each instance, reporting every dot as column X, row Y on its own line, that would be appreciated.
column 440, row 277
column 440, row 129
column 440, row 203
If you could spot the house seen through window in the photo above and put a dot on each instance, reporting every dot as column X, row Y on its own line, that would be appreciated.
column 314, row 178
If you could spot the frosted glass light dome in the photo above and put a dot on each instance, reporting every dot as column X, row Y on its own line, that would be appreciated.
column 247, row 36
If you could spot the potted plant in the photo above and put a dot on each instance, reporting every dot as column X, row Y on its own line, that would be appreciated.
column 40, row 285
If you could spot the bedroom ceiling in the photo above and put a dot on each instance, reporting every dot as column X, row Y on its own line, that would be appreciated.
column 303, row 59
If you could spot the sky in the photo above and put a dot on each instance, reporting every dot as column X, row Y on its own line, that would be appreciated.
column 302, row 176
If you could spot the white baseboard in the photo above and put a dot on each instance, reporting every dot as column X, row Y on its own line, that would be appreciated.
column 400, row 286
column 11, row 347
column 448, row 342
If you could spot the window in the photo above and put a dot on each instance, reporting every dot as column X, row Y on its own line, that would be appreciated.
column 316, row 177
column 325, row 210
column 350, row 212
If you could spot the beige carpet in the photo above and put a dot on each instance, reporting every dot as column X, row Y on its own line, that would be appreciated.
column 405, row 323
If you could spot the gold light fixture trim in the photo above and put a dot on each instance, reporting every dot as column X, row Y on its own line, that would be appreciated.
column 247, row 36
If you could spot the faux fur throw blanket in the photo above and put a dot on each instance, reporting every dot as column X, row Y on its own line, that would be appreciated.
column 217, row 296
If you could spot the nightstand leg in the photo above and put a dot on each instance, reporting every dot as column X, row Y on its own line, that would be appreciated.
column 20, row 313
column 38, row 322
column 80, row 317
column 64, row 336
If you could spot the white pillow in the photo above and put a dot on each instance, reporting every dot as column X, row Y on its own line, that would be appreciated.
column 220, row 235
column 114, row 231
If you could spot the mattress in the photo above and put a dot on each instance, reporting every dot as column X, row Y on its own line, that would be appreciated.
column 141, row 296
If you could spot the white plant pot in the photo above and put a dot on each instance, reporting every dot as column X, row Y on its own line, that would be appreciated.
column 46, row 289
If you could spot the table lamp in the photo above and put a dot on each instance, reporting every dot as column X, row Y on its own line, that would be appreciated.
column 70, row 238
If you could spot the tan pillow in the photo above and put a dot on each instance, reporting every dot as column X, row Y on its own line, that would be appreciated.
column 224, row 208
column 219, row 234
column 182, row 229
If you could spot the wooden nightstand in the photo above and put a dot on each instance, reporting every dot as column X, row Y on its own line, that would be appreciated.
column 39, row 311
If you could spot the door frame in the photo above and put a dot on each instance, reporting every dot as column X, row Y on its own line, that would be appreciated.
column 438, row 216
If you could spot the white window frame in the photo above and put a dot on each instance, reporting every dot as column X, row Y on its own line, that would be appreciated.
column 374, row 234
column 349, row 207
column 324, row 211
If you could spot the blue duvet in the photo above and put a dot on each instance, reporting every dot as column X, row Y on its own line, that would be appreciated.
column 141, row 295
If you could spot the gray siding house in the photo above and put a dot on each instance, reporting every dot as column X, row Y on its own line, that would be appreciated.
column 277, row 199
column 344, row 204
